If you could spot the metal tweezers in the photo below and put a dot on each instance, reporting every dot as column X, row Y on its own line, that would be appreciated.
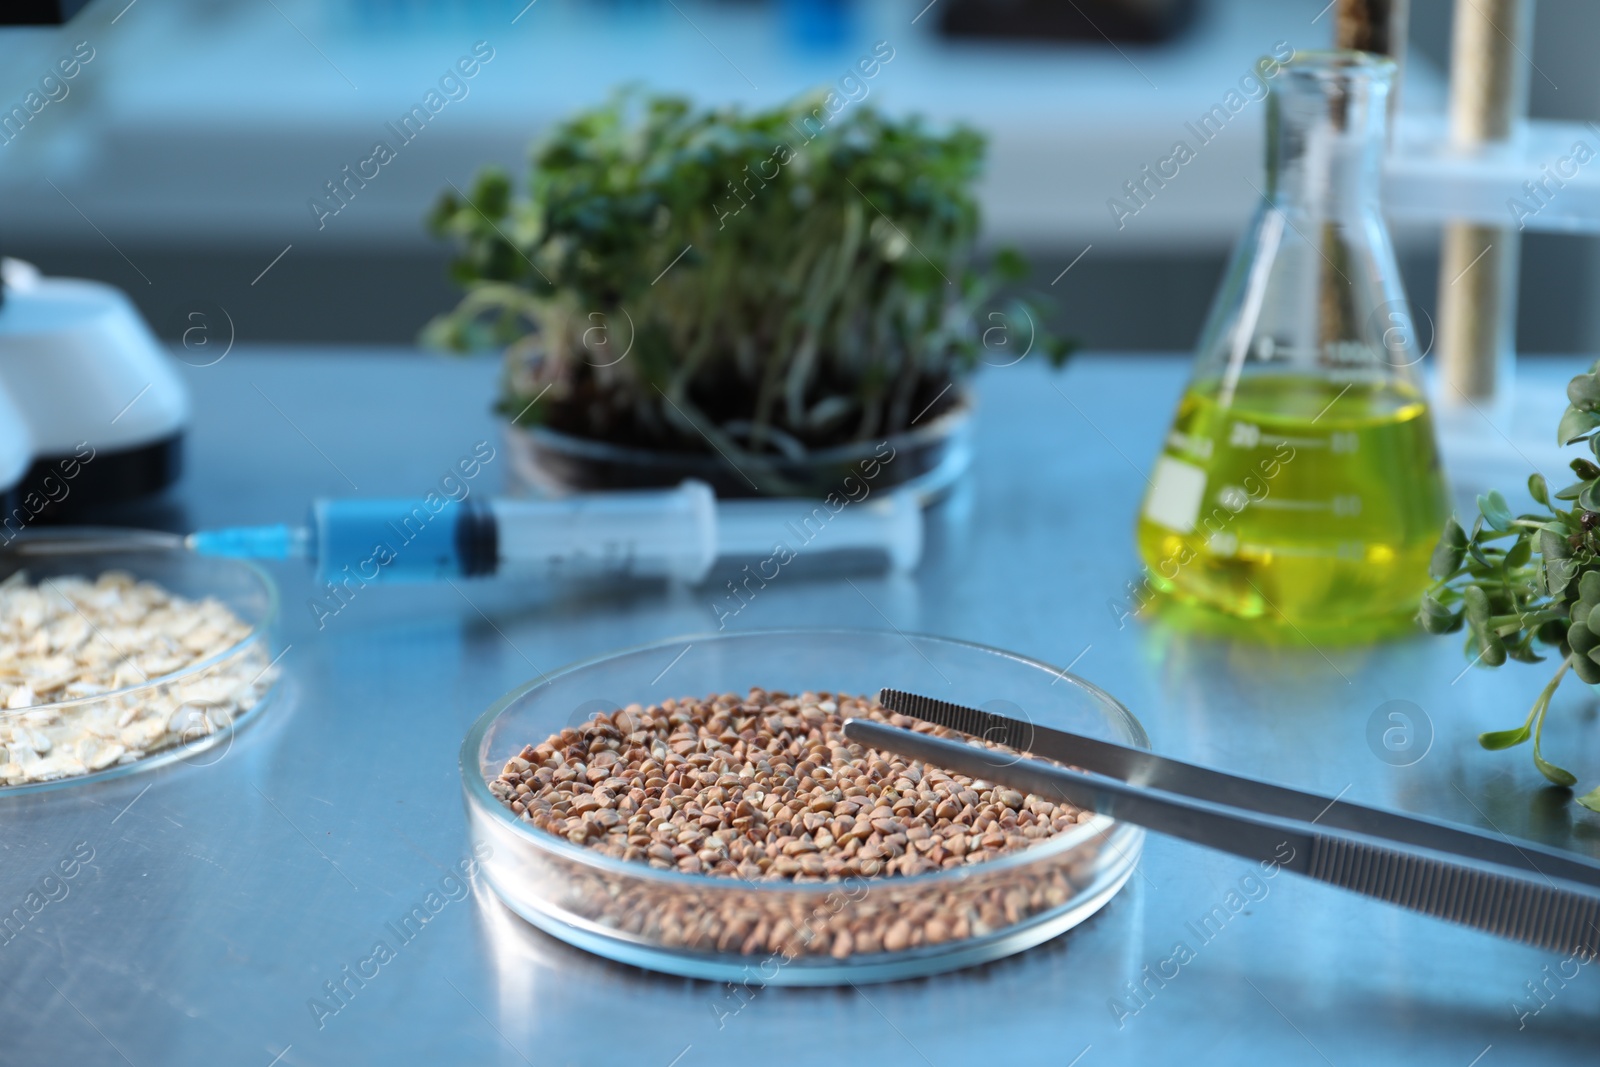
column 1516, row 890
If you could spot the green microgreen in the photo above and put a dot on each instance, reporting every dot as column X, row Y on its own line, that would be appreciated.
column 1520, row 583
column 698, row 278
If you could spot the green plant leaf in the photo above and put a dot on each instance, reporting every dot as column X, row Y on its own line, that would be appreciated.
column 491, row 194
column 1558, row 575
column 1009, row 265
column 1584, row 391
column 1558, row 775
column 1450, row 552
column 1495, row 740
column 1477, row 604
column 1591, row 799
column 1520, row 552
column 1553, row 545
column 1589, row 498
column 1581, row 639
column 1538, row 489
column 1436, row 618
column 1523, row 651
column 1574, row 424
column 1496, row 513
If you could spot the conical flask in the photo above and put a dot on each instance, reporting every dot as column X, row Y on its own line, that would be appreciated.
column 1300, row 482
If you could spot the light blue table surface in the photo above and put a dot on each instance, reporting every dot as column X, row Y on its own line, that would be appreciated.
column 220, row 898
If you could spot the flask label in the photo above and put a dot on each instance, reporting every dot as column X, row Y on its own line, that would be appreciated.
column 1176, row 489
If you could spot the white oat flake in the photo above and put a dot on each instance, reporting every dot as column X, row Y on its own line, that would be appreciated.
column 70, row 639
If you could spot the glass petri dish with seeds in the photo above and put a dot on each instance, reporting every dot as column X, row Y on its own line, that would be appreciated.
column 797, row 920
column 120, row 652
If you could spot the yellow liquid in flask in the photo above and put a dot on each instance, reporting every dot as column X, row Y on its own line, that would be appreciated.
column 1308, row 501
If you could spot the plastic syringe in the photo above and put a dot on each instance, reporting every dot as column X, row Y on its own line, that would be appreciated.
column 668, row 533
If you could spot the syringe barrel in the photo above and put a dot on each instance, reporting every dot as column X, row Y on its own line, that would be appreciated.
column 887, row 523
column 653, row 533
column 644, row 533
column 398, row 540
column 647, row 533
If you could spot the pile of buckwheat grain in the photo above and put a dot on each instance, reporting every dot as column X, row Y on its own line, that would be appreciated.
column 766, row 787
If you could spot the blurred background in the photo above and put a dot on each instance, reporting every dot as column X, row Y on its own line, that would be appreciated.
column 181, row 163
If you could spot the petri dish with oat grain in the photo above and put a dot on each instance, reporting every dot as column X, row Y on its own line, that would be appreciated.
column 678, row 921
column 121, row 652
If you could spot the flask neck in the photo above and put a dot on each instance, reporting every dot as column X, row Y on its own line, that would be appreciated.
column 1327, row 126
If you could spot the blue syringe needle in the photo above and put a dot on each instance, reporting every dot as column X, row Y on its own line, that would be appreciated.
column 278, row 541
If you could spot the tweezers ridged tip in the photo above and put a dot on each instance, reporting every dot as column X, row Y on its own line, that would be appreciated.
column 972, row 721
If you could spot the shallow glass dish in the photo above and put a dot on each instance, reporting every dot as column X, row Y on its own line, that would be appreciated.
column 925, row 460
column 690, row 924
column 163, row 718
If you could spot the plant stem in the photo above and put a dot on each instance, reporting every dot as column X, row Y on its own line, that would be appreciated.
column 1542, row 705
